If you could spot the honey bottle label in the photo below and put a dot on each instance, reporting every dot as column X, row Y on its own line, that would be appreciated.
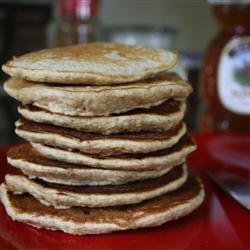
column 234, row 76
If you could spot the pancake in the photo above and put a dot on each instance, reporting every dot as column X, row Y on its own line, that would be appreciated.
column 32, row 164
column 64, row 196
column 149, row 161
column 171, row 206
column 159, row 118
column 71, row 139
column 98, row 100
column 92, row 64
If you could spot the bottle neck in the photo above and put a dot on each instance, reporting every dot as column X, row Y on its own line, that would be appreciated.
column 235, row 30
column 232, row 17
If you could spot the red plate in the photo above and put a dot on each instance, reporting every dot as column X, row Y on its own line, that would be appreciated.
column 219, row 223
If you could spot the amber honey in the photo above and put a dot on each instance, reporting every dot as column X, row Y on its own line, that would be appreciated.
column 230, row 114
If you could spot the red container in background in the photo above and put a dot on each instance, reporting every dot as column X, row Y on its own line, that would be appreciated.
column 77, row 9
column 75, row 22
column 225, row 75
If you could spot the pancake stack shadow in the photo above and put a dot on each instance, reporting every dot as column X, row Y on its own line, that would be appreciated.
column 105, row 146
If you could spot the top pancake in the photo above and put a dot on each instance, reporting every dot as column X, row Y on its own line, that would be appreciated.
column 92, row 64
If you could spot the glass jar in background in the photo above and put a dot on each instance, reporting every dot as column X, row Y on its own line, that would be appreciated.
column 158, row 37
column 75, row 21
column 225, row 77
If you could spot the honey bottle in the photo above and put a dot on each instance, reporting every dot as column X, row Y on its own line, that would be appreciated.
column 225, row 76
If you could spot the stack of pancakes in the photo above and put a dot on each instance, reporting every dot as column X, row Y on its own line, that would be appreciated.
column 106, row 146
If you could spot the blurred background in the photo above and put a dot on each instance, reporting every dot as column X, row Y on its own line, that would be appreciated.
column 189, row 26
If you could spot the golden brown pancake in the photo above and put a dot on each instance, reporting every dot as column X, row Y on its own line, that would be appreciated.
column 34, row 165
column 159, row 118
column 63, row 196
column 97, row 63
column 76, row 220
column 144, row 161
column 92, row 143
column 98, row 100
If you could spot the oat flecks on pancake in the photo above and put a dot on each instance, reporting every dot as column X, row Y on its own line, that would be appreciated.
column 98, row 100
column 154, row 212
column 92, row 63
column 64, row 196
